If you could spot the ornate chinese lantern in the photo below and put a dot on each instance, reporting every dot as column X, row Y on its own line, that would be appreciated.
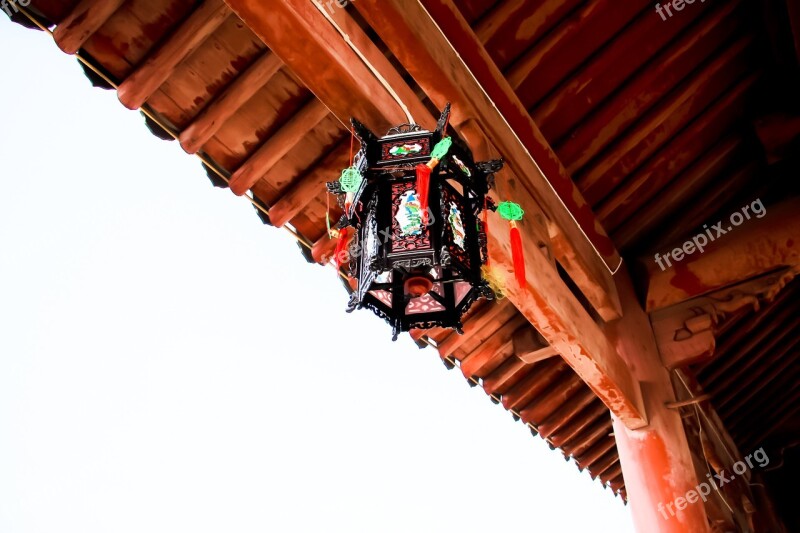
column 412, row 202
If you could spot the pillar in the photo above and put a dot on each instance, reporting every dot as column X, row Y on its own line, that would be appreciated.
column 656, row 460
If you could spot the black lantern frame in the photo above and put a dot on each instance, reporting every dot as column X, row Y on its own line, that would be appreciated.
column 413, row 274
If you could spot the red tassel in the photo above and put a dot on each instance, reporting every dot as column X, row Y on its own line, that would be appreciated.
column 423, row 186
column 341, row 247
column 517, row 255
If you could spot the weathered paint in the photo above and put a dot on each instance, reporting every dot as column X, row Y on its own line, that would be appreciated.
column 656, row 460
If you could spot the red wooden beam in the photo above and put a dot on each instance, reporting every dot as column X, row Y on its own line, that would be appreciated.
column 481, row 94
column 766, row 239
column 299, row 33
column 306, row 41
column 545, row 300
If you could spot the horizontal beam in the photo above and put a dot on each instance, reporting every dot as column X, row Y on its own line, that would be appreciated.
column 554, row 311
column 765, row 240
column 685, row 332
column 471, row 81
column 299, row 33
column 377, row 61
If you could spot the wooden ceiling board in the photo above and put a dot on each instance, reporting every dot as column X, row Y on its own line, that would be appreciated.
column 509, row 30
column 679, row 192
column 491, row 353
column 605, row 72
column 642, row 92
column 480, row 336
column 667, row 119
column 583, row 33
column 474, row 9
column 668, row 164
column 556, row 394
column 221, row 154
column 261, row 116
column 300, row 159
column 506, row 375
column 144, row 23
column 207, row 72
column 539, row 377
column 110, row 44
column 713, row 203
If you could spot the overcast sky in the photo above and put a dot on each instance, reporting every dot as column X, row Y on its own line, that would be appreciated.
column 168, row 363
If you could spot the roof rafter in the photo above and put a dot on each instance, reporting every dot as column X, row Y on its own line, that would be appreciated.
column 159, row 66
column 82, row 22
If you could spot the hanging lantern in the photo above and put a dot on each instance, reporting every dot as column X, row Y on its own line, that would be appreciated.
column 418, row 239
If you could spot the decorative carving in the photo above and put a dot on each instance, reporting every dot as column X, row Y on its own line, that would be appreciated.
column 491, row 166
column 685, row 332
column 352, row 303
column 453, row 250
column 409, row 264
column 444, row 257
column 362, row 133
column 404, row 128
column 402, row 242
column 334, row 187
column 483, row 241
column 444, row 118
column 402, row 149
column 343, row 222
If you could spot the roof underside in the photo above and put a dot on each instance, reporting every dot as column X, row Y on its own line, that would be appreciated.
column 654, row 120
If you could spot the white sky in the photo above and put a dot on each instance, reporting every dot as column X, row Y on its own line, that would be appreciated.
column 168, row 363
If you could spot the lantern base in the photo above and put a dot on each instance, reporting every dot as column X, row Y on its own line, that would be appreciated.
column 416, row 286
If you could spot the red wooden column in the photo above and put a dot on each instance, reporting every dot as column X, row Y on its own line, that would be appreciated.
column 656, row 460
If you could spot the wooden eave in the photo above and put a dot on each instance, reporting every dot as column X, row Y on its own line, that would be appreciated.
column 622, row 134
